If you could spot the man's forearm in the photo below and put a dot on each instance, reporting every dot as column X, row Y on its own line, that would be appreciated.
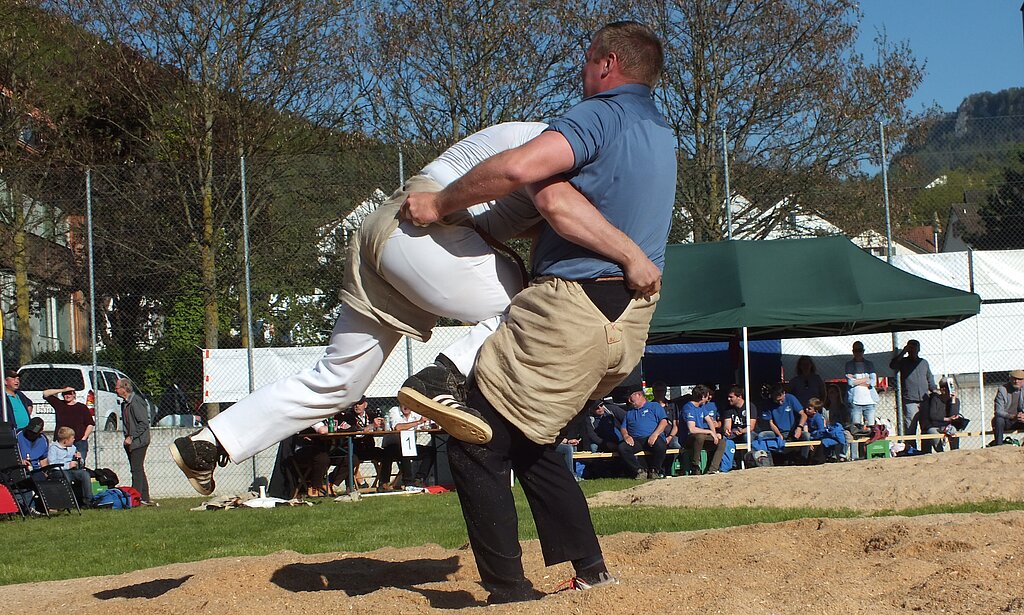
column 575, row 219
column 544, row 156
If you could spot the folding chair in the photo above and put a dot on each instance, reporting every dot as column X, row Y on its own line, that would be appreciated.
column 54, row 489
column 47, row 483
column 8, row 505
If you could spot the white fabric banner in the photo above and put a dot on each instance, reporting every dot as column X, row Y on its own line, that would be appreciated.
column 226, row 372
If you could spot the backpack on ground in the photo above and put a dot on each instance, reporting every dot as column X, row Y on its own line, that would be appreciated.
column 105, row 477
column 135, row 498
column 758, row 459
column 114, row 499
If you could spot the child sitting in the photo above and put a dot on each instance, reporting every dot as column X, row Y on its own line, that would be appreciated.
column 63, row 452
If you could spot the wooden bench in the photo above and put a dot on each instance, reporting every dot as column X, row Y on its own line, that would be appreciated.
column 798, row 443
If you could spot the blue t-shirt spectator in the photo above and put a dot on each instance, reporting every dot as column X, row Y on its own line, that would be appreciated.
column 641, row 422
column 785, row 414
column 698, row 414
column 711, row 409
column 36, row 450
column 815, row 425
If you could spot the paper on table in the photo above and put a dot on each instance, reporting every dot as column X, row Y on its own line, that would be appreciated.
column 408, row 443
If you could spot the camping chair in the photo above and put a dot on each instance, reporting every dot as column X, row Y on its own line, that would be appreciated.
column 47, row 483
column 54, row 489
column 8, row 505
column 12, row 472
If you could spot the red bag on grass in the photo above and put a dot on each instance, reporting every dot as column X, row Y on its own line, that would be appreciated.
column 133, row 495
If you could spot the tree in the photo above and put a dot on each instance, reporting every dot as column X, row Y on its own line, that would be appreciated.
column 215, row 81
column 1002, row 215
column 798, row 106
column 444, row 69
column 32, row 227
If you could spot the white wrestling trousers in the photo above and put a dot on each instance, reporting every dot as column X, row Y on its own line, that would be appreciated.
column 446, row 270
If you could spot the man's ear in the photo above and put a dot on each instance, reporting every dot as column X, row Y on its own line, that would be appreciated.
column 611, row 60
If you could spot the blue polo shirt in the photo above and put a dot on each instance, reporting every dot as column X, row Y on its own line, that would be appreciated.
column 36, row 450
column 711, row 409
column 699, row 415
column 625, row 164
column 815, row 423
column 641, row 422
column 785, row 414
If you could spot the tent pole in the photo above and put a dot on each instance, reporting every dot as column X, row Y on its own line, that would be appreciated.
column 977, row 344
column 746, row 385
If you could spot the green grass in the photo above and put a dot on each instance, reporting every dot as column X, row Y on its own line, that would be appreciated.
column 112, row 542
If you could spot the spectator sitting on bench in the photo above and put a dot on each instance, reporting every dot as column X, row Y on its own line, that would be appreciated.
column 788, row 420
column 602, row 427
column 643, row 430
column 836, row 413
column 938, row 413
column 734, row 421
column 569, row 440
column 817, row 430
column 601, row 435
column 702, row 430
column 660, row 391
column 1009, row 411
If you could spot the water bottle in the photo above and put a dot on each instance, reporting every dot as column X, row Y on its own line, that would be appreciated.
column 952, row 385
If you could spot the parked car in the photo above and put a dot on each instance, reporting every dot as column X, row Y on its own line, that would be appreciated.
column 99, row 396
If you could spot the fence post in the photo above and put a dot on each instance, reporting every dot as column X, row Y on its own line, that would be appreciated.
column 248, row 288
column 977, row 342
column 408, row 340
column 728, row 192
column 885, row 195
column 92, row 303
column 901, row 427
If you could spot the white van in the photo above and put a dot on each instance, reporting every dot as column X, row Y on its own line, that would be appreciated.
column 100, row 397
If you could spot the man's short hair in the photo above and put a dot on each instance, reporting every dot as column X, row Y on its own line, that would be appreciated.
column 126, row 384
column 738, row 391
column 776, row 389
column 11, row 372
column 637, row 48
column 699, row 392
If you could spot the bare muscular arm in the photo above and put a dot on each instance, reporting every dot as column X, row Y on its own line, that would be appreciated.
column 573, row 217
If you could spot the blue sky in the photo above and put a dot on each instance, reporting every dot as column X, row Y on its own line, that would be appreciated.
column 970, row 46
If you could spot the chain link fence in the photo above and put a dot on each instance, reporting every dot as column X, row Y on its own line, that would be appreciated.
column 166, row 257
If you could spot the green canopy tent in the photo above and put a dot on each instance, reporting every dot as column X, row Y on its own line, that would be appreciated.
column 794, row 288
